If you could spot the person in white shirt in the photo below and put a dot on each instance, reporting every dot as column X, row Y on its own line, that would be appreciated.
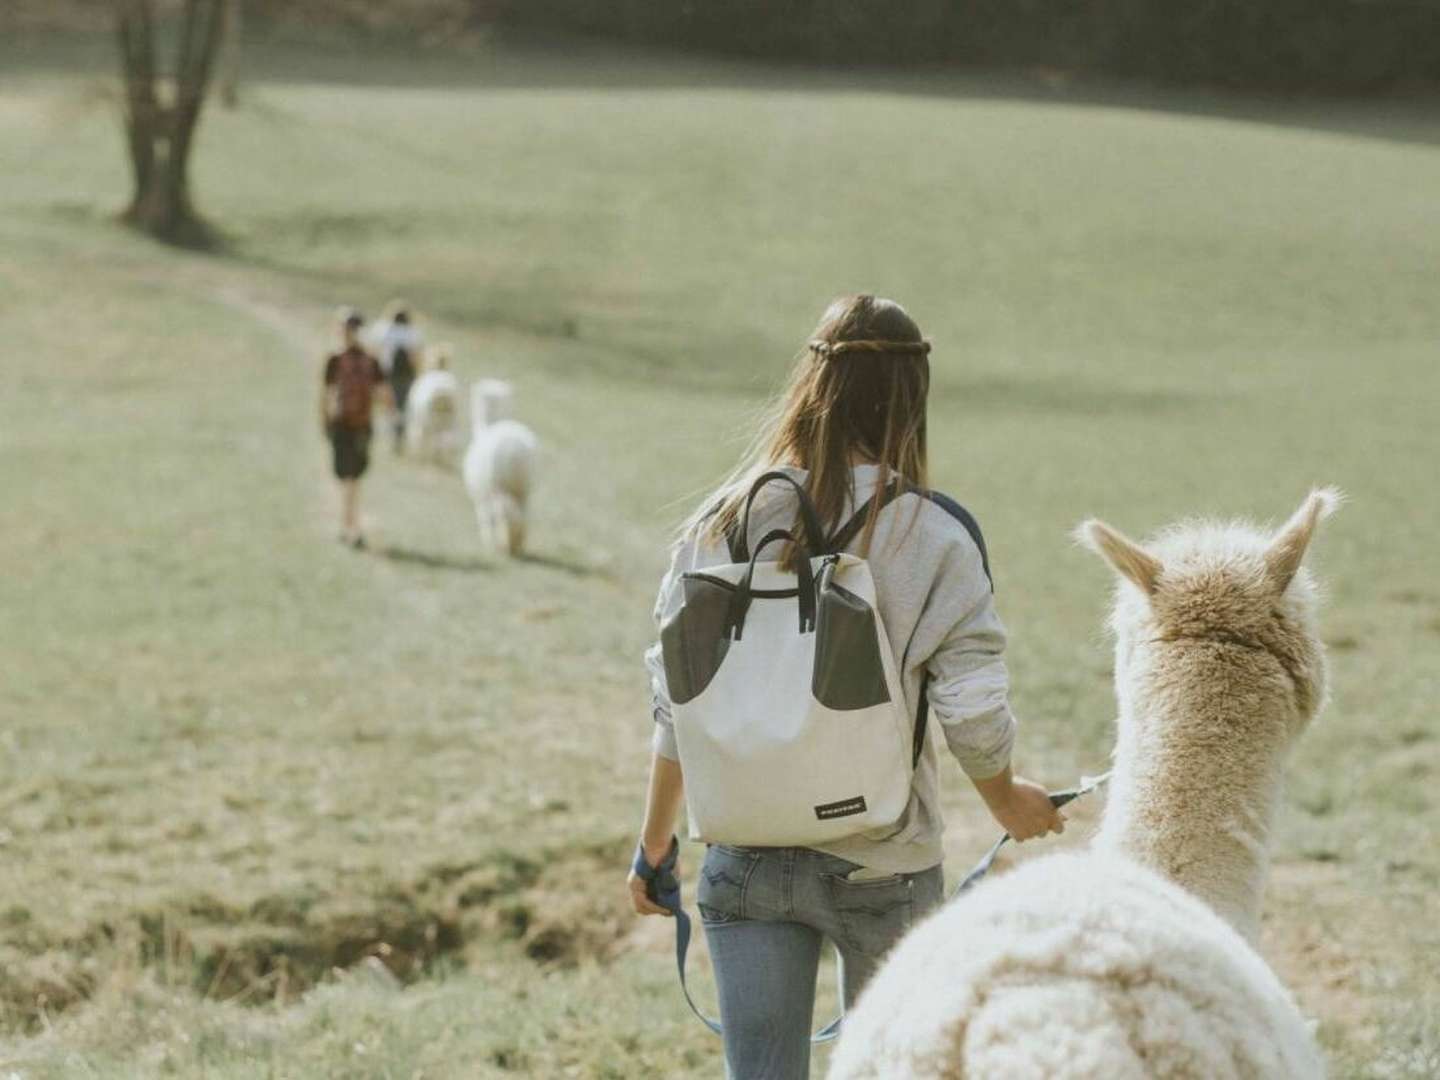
column 399, row 346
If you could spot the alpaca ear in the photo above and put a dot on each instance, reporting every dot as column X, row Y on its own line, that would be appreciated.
column 1128, row 558
column 1283, row 556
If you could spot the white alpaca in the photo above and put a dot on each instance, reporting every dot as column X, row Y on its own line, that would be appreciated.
column 1134, row 959
column 432, row 427
column 499, row 466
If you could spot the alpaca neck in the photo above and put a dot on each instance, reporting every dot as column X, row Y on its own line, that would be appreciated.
column 1191, row 804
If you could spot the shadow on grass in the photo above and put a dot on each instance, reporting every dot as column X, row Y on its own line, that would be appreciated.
column 435, row 560
column 564, row 565
column 469, row 564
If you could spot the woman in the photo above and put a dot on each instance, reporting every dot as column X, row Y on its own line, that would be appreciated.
column 399, row 344
column 850, row 422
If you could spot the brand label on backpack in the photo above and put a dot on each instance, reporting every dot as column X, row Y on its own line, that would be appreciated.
column 843, row 808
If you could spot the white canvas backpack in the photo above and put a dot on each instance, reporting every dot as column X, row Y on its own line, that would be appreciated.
column 787, row 704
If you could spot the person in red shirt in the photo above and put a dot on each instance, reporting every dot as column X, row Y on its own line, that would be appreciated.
column 351, row 381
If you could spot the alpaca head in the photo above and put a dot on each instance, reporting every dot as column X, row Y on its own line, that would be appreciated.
column 1223, row 611
column 490, row 401
column 437, row 357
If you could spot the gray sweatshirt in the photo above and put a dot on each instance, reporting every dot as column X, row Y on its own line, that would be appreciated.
column 936, row 600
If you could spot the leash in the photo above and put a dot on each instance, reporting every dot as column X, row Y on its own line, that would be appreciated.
column 1057, row 799
column 662, row 887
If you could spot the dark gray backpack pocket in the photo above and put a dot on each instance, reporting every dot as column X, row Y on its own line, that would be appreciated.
column 849, row 673
column 693, row 640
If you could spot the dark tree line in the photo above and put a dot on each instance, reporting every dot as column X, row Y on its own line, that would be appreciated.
column 1309, row 45
column 1327, row 45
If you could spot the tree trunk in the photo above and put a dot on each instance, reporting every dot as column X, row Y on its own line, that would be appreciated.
column 142, row 110
column 230, row 53
column 160, row 134
column 161, row 204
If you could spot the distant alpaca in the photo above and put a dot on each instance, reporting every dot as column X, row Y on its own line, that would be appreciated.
column 499, row 466
column 1134, row 959
column 432, row 427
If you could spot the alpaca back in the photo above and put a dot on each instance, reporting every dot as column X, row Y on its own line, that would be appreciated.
column 1076, row 966
column 512, row 459
column 501, row 461
column 435, row 397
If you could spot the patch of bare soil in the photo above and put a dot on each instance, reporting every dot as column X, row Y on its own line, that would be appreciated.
column 283, row 945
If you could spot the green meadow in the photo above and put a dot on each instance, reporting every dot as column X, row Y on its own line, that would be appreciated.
column 273, row 808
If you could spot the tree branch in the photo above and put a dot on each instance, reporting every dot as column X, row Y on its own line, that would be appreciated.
column 200, row 38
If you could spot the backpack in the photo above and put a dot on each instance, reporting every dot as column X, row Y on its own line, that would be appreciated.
column 787, row 703
column 402, row 367
column 353, row 389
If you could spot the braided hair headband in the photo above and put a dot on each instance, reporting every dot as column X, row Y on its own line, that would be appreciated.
column 836, row 348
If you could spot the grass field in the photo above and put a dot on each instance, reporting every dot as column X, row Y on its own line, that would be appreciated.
column 237, row 760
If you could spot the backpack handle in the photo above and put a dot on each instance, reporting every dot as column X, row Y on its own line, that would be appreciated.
column 740, row 598
column 814, row 534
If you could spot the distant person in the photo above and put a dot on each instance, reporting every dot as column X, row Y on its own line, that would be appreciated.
column 352, row 376
column 849, row 443
column 399, row 344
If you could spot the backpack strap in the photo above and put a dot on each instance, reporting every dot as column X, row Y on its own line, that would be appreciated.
column 732, row 534
column 738, row 538
column 734, row 543
column 971, row 526
column 846, row 535
column 922, row 721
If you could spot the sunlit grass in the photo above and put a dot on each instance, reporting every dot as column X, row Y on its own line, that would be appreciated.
column 221, row 735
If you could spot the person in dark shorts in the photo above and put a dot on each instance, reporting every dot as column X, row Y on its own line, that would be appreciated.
column 352, row 377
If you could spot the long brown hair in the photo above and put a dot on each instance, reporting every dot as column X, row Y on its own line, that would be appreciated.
column 857, row 393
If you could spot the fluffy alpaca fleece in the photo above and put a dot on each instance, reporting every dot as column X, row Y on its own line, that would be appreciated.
column 499, row 466
column 1134, row 959
column 1076, row 967
column 432, row 426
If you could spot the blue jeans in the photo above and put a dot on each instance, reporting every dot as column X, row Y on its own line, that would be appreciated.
column 767, row 912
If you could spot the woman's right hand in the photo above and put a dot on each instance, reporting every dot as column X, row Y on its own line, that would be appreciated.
column 1021, row 807
column 642, row 903
column 662, row 806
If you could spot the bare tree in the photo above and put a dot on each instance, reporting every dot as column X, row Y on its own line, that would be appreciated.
column 161, row 114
